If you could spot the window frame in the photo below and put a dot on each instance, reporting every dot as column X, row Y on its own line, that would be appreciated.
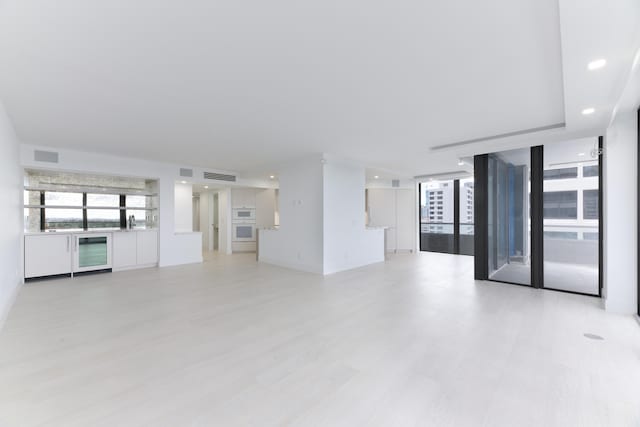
column 122, row 208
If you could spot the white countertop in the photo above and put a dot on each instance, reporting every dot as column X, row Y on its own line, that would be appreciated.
column 92, row 231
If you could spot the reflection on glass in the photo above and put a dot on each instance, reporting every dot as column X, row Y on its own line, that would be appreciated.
column 141, row 217
column 92, row 251
column 103, row 200
column 63, row 219
column 103, row 218
column 436, row 216
column 571, row 220
column 136, row 201
column 53, row 198
column 509, row 221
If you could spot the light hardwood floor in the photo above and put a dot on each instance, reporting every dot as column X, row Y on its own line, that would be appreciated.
column 410, row 342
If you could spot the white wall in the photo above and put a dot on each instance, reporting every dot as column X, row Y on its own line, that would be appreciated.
column 265, row 208
column 347, row 244
column 11, row 213
column 174, row 247
column 298, row 242
column 224, row 221
column 322, row 230
column 183, row 207
column 620, row 215
column 206, row 220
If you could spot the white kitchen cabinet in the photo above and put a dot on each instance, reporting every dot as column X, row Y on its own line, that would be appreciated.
column 243, row 198
column 394, row 208
column 405, row 219
column 265, row 208
column 125, row 250
column 147, row 247
column 47, row 255
column 382, row 213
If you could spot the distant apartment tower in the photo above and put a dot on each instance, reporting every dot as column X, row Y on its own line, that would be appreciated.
column 438, row 198
column 438, row 202
column 466, row 203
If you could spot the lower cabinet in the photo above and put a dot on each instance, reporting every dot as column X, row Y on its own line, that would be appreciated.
column 51, row 254
column 135, row 248
column 47, row 255
column 147, row 247
column 125, row 250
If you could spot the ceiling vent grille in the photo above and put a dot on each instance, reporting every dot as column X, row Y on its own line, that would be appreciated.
column 219, row 176
column 187, row 173
column 395, row 183
column 45, row 156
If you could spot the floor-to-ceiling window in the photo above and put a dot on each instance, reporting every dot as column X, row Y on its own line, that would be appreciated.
column 446, row 216
column 436, row 216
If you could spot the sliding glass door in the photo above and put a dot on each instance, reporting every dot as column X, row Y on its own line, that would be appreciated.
column 571, row 217
column 537, row 216
column 508, row 217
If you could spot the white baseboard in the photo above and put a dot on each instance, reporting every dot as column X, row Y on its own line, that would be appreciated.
column 291, row 265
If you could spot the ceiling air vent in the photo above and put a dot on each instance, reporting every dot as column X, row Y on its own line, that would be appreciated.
column 187, row 173
column 45, row 156
column 219, row 176
column 395, row 183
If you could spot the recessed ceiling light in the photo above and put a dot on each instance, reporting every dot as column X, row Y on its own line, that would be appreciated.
column 598, row 63
column 206, row 187
column 580, row 154
column 376, row 177
column 271, row 176
column 588, row 111
column 183, row 182
column 460, row 163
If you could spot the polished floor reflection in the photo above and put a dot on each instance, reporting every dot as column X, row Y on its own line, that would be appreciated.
column 560, row 276
column 414, row 341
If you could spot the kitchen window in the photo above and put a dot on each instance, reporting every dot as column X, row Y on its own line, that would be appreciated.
column 54, row 210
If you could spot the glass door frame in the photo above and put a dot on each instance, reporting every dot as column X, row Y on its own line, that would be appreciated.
column 481, row 216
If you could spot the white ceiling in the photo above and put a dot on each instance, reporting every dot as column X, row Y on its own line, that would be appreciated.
column 244, row 85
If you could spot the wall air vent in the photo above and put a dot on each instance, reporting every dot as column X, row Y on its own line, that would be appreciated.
column 219, row 176
column 45, row 156
column 187, row 173
column 395, row 183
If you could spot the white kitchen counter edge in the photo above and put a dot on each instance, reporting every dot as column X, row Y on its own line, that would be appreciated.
column 106, row 230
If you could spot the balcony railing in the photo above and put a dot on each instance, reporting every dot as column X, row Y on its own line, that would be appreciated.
column 445, row 228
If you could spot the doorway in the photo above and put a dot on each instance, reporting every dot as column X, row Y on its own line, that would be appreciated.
column 215, row 225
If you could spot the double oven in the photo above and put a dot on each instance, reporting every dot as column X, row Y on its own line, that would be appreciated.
column 244, row 224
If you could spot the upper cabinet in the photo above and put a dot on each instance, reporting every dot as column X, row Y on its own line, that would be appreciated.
column 243, row 198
